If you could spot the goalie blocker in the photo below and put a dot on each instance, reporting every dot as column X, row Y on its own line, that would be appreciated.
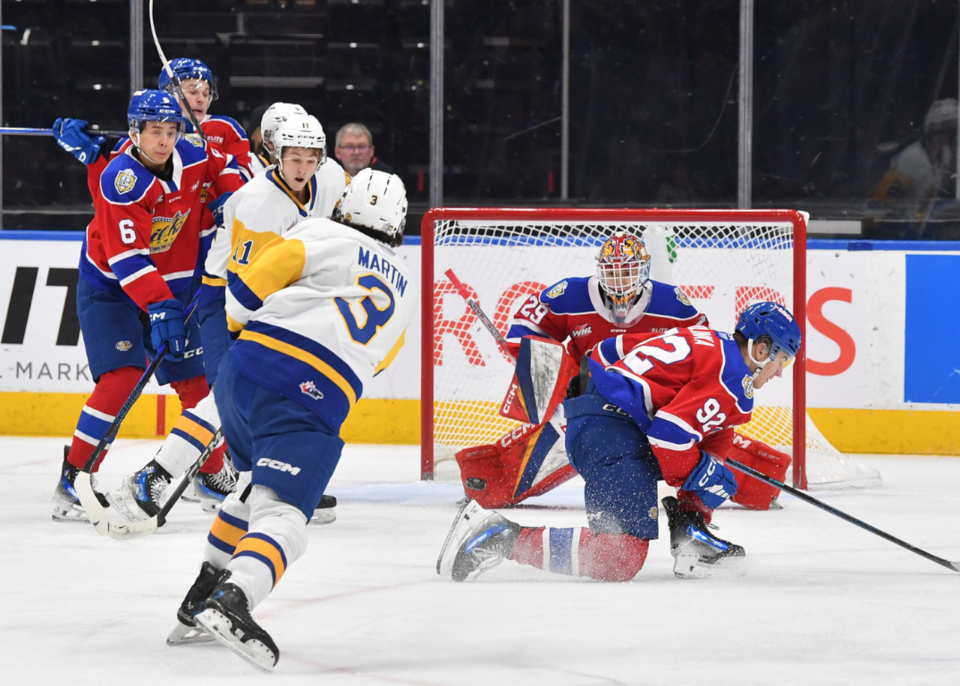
column 532, row 459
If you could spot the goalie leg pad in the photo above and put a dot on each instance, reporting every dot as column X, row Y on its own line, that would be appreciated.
column 753, row 493
column 581, row 552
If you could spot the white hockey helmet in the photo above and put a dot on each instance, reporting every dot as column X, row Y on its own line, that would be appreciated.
column 942, row 116
column 375, row 200
column 300, row 131
column 275, row 115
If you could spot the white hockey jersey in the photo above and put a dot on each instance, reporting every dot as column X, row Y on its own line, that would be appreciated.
column 319, row 312
column 264, row 209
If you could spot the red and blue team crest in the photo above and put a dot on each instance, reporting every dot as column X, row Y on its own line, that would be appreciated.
column 310, row 388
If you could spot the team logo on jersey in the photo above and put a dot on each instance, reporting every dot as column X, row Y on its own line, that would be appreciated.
column 194, row 139
column 557, row 290
column 310, row 388
column 125, row 181
column 748, row 389
column 681, row 296
column 123, row 346
column 582, row 330
column 654, row 512
column 165, row 231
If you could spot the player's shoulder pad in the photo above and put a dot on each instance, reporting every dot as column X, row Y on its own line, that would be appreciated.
column 192, row 149
column 568, row 296
column 735, row 376
column 670, row 301
column 231, row 122
column 125, row 181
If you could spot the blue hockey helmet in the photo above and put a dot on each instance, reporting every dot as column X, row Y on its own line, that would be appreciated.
column 187, row 68
column 774, row 321
column 153, row 105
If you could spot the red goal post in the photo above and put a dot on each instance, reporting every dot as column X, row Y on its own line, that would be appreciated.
column 483, row 227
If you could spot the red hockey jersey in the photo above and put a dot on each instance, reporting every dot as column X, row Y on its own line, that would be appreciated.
column 572, row 309
column 144, row 239
column 685, row 388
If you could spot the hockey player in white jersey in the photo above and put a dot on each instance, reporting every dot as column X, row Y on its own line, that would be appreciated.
column 266, row 207
column 318, row 313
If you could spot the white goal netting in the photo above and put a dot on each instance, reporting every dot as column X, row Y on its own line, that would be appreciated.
column 722, row 266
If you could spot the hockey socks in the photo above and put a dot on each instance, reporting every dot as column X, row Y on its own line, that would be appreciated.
column 193, row 429
column 581, row 552
column 111, row 392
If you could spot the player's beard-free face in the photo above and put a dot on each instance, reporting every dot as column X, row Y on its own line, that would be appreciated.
column 299, row 165
column 771, row 369
column 197, row 93
column 157, row 141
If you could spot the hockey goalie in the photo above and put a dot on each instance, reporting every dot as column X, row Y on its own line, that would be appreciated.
column 550, row 335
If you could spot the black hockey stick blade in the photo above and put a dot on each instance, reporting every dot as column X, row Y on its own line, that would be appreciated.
column 955, row 566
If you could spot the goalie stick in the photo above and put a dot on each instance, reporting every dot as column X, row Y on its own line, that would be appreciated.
column 119, row 530
column 481, row 315
column 955, row 566
column 174, row 77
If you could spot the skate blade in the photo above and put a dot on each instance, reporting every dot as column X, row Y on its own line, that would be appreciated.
column 183, row 635
column 65, row 511
column 325, row 516
column 461, row 528
column 126, row 506
column 220, row 627
column 692, row 567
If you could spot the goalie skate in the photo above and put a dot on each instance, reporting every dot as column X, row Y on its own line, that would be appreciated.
column 477, row 541
column 698, row 554
column 225, row 615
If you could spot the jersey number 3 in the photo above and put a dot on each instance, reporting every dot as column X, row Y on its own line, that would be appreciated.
column 376, row 318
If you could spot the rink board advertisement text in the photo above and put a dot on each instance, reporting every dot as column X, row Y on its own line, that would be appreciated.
column 883, row 368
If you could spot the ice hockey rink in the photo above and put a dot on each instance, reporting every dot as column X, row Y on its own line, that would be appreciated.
column 824, row 602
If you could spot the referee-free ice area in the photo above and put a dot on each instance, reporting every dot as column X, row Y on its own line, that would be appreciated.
column 824, row 602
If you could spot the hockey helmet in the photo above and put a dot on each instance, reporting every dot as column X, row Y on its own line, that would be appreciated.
column 623, row 268
column 186, row 68
column 377, row 201
column 275, row 115
column 776, row 323
column 300, row 131
column 153, row 105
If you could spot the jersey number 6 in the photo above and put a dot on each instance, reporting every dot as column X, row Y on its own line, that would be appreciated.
column 376, row 317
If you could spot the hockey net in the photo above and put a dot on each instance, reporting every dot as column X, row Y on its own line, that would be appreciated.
column 724, row 260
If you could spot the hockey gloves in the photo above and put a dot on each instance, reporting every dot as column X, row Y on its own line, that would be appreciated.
column 71, row 137
column 166, row 326
column 216, row 208
column 712, row 481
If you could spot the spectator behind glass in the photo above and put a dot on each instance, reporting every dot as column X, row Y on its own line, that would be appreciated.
column 919, row 186
column 355, row 150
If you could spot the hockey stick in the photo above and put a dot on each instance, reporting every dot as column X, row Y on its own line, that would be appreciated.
column 82, row 483
column 481, row 315
column 955, row 566
column 174, row 78
column 121, row 530
column 16, row 131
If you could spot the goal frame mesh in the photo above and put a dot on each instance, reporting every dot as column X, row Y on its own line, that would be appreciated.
column 583, row 215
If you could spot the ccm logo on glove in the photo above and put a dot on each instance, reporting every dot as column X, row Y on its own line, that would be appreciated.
column 278, row 465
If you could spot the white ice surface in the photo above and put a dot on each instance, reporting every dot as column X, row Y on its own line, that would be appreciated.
column 824, row 602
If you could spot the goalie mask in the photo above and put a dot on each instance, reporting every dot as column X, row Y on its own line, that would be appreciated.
column 275, row 115
column 623, row 269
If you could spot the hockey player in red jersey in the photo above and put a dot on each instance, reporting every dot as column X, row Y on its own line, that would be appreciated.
column 653, row 407
column 138, row 268
column 580, row 312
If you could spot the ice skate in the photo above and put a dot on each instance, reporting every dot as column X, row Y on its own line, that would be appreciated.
column 213, row 489
column 142, row 494
column 697, row 553
column 478, row 540
column 225, row 615
column 326, row 512
column 187, row 632
column 66, row 503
